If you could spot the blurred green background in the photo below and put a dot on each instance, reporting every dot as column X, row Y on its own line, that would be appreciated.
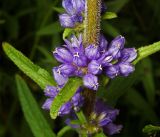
column 32, row 27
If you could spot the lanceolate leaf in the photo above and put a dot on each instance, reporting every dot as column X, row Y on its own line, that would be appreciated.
column 32, row 113
column 64, row 95
column 143, row 52
column 39, row 75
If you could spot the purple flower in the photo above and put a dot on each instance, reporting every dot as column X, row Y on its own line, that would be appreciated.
column 128, row 54
column 75, row 44
column 111, row 129
column 92, row 52
column 103, row 44
column 67, row 69
column 116, row 45
column 73, row 6
column 66, row 21
column 104, row 116
column 65, row 109
column 74, row 9
column 47, row 104
column 94, row 67
column 125, row 68
column 112, row 71
column 79, row 60
column 60, row 78
column 51, row 91
column 77, row 100
column 63, row 55
column 117, row 59
column 91, row 81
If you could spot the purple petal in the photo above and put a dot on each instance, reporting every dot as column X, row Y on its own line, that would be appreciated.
column 111, row 128
column 112, row 71
column 47, row 104
column 92, row 52
column 126, row 68
column 79, row 5
column 104, row 121
column 102, row 108
column 51, row 91
column 79, row 60
column 105, row 60
column 68, row 5
column 91, row 81
column 128, row 54
column 62, row 55
column 77, row 100
column 65, row 109
column 66, row 21
column 94, row 67
column 59, row 78
column 67, row 69
column 116, row 45
column 74, row 44
column 77, row 18
column 103, row 44
column 73, row 6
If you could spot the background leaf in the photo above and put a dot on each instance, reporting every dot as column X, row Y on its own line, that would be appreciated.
column 32, row 113
column 50, row 29
column 148, row 81
column 117, row 5
column 145, row 108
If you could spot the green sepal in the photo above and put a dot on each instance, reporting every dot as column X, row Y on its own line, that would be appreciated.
column 109, row 15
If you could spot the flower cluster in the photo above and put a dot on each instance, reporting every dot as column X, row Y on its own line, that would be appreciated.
column 104, row 116
column 76, row 101
column 74, row 13
column 101, row 118
column 88, row 62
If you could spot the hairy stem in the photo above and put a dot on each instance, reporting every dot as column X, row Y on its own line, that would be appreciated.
column 91, row 36
column 92, row 22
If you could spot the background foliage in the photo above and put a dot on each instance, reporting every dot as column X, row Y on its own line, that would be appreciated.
column 33, row 28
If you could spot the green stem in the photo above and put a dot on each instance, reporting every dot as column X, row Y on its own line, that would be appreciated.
column 81, row 117
column 64, row 130
column 92, row 22
column 37, row 38
column 91, row 36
